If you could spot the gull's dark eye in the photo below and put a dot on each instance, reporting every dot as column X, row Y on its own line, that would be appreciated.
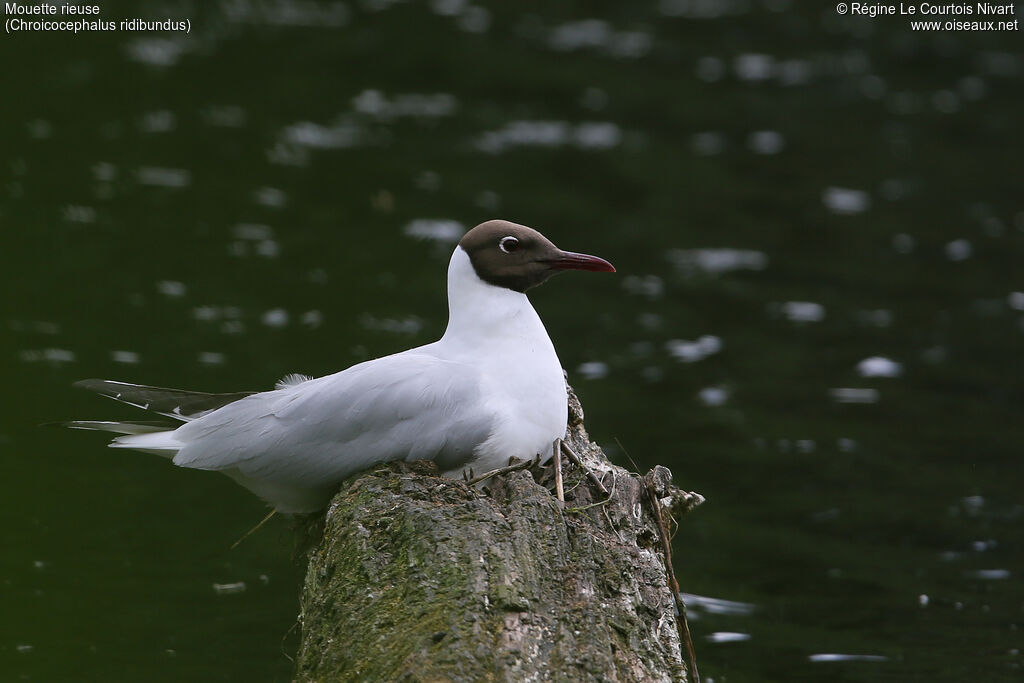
column 508, row 244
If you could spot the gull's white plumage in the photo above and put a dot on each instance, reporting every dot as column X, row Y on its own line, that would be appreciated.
column 491, row 388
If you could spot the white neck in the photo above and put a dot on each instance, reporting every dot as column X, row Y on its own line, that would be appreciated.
column 479, row 312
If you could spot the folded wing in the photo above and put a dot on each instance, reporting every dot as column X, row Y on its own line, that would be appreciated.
column 174, row 403
column 409, row 406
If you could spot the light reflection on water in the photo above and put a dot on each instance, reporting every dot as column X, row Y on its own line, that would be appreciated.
column 835, row 371
column 835, row 657
column 164, row 177
column 598, row 35
column 702, row 603
column 717, row 261
column 727, row 637
column 446, row 231
column 586, row 135
column 878, row 366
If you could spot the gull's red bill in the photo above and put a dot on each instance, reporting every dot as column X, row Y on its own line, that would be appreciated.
column 569, row 260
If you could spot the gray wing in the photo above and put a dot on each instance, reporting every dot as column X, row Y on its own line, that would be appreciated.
column 409, row 406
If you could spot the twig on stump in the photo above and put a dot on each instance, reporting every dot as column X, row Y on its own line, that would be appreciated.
column 579, row 463
column 556, row 451
column 522, row 465
column 666, row 547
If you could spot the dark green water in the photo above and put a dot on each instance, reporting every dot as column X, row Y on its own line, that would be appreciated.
column 213, row 211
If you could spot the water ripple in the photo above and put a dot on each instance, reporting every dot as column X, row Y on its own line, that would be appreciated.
column 845, row 201
column 438, row 230
column 727, row 637
column 160, row 176
column 287, row 12
column 717, row 261
column 375, row 104
column 594, row 135
column 835, row 657
column 719, row 606
column 879, row 366
column 599, row 35
column 692, row 351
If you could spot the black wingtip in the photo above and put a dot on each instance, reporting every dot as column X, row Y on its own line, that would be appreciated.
column 176, row 404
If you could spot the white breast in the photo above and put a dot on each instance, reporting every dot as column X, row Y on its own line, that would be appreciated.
column 498, row 331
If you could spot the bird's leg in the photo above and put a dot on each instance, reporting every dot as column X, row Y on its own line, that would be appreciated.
column 556, row 451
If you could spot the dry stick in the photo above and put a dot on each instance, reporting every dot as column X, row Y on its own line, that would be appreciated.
column 501, row 470
column 666, row 548
column 598, row 503
column 636, row 468
column 579, row 463
column 251, row 531
column 296, row 623
column 557, row 451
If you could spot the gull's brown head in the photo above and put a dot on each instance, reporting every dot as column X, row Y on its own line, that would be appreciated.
column 516, row 257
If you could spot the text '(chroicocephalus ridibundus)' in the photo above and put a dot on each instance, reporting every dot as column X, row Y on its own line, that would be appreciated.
column 489, row 390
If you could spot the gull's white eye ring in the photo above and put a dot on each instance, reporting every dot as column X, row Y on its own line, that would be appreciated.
column 508, row 244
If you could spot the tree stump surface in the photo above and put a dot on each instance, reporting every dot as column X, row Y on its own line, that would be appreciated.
column 422, row 578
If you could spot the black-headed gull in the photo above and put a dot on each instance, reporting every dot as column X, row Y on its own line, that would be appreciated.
column 489, row 390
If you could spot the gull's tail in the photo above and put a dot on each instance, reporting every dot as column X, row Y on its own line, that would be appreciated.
column 151, row 436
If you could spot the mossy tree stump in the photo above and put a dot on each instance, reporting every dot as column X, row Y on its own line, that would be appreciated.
column 421, row 578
